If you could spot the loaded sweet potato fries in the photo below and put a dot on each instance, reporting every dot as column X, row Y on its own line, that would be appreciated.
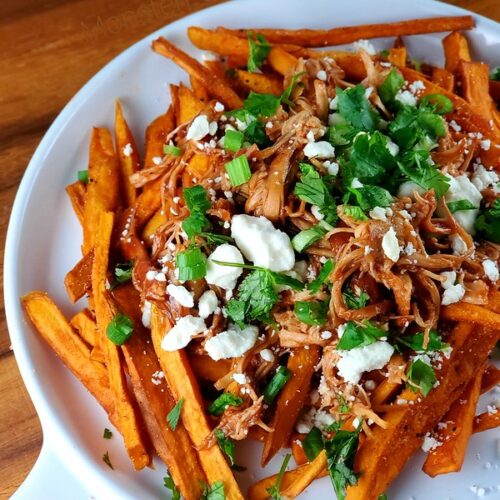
column 306, row 255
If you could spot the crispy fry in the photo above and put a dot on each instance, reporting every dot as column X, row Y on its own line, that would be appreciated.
column 397, row 56
column 309, row 473
column 183, row 384
column 290, row 400
column 281, row 61
column 85, row 325
column 350, row 62
column 456, row 49
column 443, row 78
column 486, row 421
column 206, row 368
column 491, row 378
column 198, row 165
column 450, row 455
column 78, row 281
column 189, row 104
column 389, row 449
column 348, row 34
column 77, row 193
column 387, row 389
column 471, row 313
column 260, row 83
column 128, row 155
column 155, row 401
column 297, row 449
column 71, row 349
column 126, row 414
column 213, row 84
column 199, row 90
column 103, row 187
column 158, row 219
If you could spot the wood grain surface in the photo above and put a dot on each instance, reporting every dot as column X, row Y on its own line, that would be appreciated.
column 48, row 50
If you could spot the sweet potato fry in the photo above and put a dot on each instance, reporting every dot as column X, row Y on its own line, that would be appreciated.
column 456, row 49
column 77, row 193
column 199, row 90
column 309, row 472
column 491, row 378
column 486, row 421
column 290, row 400
column 450, row 455
column 471, row 313
column 183, row 384
column 155, row 400
column 387, row 389
column 128, row 155
column 71, row 349
column 78, row 281
column 213, row 84
column 281, row 61
column 158, row 219
column 297, row 449
column 189, row 104
column 397, row 56
column 443, row 78
column 350, row 62
column 126, row 414
column 206, row 368
column 388, row 449
column 348, row 34
column 260, row 83
column 495, row 90
column 85, row 325
column 103, row 189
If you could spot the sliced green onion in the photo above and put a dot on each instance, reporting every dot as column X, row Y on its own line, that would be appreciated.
column 233, row 140
column 83, row 176
column 238, row 170
column 311, row 313
column 222, row 402
column 322, row 277
column 120, row 329
column 307, row 237
column 441, row 103
column 169, row 149
column 192, row 264
column 277, row 383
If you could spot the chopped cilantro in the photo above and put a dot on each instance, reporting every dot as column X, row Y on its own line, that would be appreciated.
column 107, row 434
column 456, row 206
column 274, row 490
column 280, row 378
column 343, row 406
column 437, row 103
column 353, row 105
column 421, row 377
column 495, row 75
column 390, row 86
column 322, row 277
column 416, row 342
column 360, row 335
column 258, row 50
column 107, row 461
column 311, row 312
column 262, row 104
column 123, row 273
column 222, row 402
column 213, row 492
column 226, row 445
column 488, row 223
column 168, row 482
column 355, row 212
column 368, row 197
column 353, row 301
column 313, row 444
column 174, row 414
column 198, row 203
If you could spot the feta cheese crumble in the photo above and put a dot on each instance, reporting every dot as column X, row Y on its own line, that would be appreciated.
column 180, row 335
column 267, row 355
column 198, row 129
column 146, row 314
column 390, row 245
column 406, row 97
column 430, row 443
column 261, row 243
column 321, row 149
column 127, row 149
column 364, row 45
column 461, row 188
column 224, row 276
column 232, row 343
column 181, row 294
column 482, row 179
column 207, row 304
column 321, row 75
column 491, row 270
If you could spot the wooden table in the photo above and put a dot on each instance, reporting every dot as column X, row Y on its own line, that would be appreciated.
column 49, row 49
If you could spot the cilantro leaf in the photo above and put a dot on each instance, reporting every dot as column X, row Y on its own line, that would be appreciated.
column 285, row 96
column 274, row 491
column 421, row 377
column 226, row 445
column 488, row 223
column 368, row 197
column 355, row 212
column 313, row 444
column 123, row 271
column 353, row 301
column 262, row 104
column 340, row 453
column 258, row 50
column 360, row 335
column 174, row 414
column 311, row 312
column 198, row 203
column 456, row 206
column 343, row 406
column 214, row 492
column 272, row 389
column 353, row 105
column 222, row 402
column 107, row 461
column 168, row 482
column 416, row 342
column 390, row 86
column 415, row 165
column 322, row 277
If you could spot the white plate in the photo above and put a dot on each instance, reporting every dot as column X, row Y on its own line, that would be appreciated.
column 44, row 242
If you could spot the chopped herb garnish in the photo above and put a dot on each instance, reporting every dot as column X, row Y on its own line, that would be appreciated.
column 253, row 128
column 191, row 264
column 274, row 490
column 123, row 273
column 107, row 461
column 416, row 342
column 313, row 444
column 120, row 329
column 353, row 105
column 311, row 313
column 198, row 203
column 213, row 492
column 169, row 149
column 107, row 434
column 258, row 50
column 355, row 212
column 174, row 414
column 496, row 74
column 353, row 301
column 382, row 497
column 168, row 482
column 340, row 453
column 233, row 140
column 238, row 170
column 322, row 277
column 438, row 103
column 83, row 176
column 421, row 376
column 456, row 206
column 262, row 104
column 222, row 402
column 390, row 86
column 216, row 239
column 343, row 406
column 280, row 378
column 368, row 197
column 285, row 96
column 488, row 223
column 226, row 445
column 356, row 335
column 308, row 237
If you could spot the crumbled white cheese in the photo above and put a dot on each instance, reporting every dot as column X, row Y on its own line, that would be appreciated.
column 483, row 179
column 219, row 107
column 305, row 422
column 198, row 129
column 321, row 75
column 212, row 128
column 316, row 212
column 453, row 294
column 267, row 355
column 262, row 243
column 461, row 188
column 416, row 86
column 458, row 245
column 207, row 304
column 409, row 249
column 408, row 189
column 146, row 314
column 485, row 144
column 364, row 45
column 323, row 419
column 181, row 294
column 331, row 167
column 157, row 160
column 180, row 335
column 333, row 103
column 390, row 245
column 127, row 149
column 354, row 362
column 240, row 378
column 321, row 149
column 356, row 183
column 455, row 126
column 449, row 279
column 430, row 443
column 224, row 276
column 380, row 213
column 406, row 97
column 232, row 343
column 491, row 270
column 392, row 147
column 325, row 335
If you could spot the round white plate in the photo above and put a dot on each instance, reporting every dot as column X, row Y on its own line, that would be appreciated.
column 44, row 242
